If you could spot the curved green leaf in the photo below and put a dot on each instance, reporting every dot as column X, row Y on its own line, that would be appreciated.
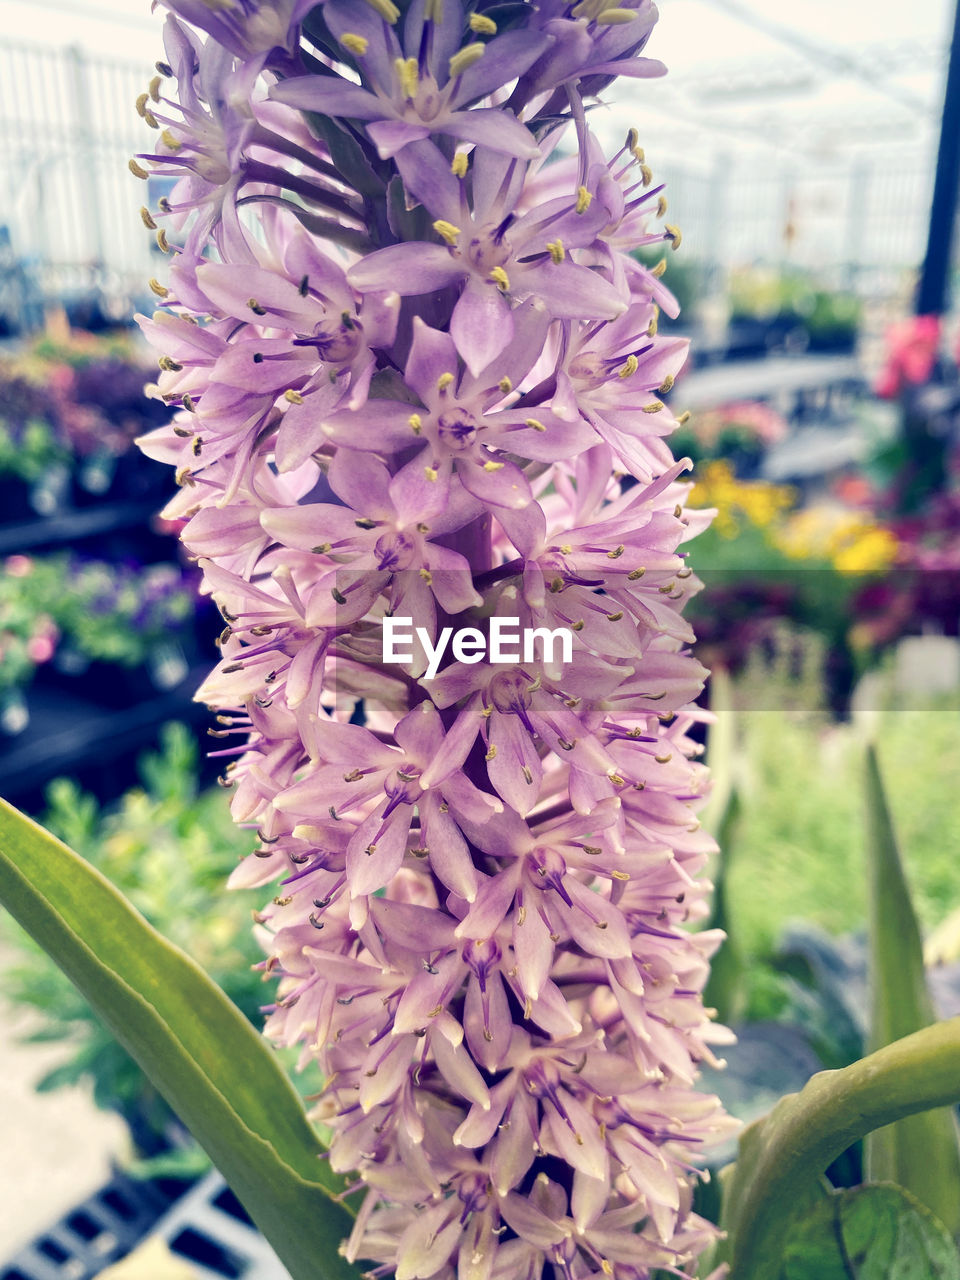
column 870, row 1233
column 201, row 1053
column 782, row 1156
column 920, row 1153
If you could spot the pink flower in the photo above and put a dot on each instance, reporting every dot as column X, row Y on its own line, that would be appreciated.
column 416, row 379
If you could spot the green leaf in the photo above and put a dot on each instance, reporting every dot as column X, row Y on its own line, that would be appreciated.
column 725, row 989
column 782, row 1156
column 198, row 1049
column 870, row 1233
column 921, row 1153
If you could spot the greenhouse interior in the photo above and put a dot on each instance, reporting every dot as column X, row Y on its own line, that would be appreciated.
column 480, row 639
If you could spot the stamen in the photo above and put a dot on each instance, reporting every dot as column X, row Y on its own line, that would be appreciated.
column 466, row 57
column 406, row 69
column 500, row 278
column 293, row 397
column 616, row 17
column 386, row 9
column 444, row 381
column 557, row 251
column 169, row 141
column 138, row 170
column 535, row 424
column 666, row 385
column 153, row 88
column 654, row 407
column 659, row 269
column 630, row 367
column 458, row 165
column 157, row 288
column 505, row 385
column 354, row 44
column 493, row 466
column 673, row 234
column 431, row 473
column 584, row 199
column 447, row 230
column 416, row 423
column 147, row 219
column 482, row 25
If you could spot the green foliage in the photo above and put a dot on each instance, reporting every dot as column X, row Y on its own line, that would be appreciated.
column 169, row 849
column 869, row 1233
column 28, row 453
column 782, row 1157
column 198, row 1049
column 920, row 1153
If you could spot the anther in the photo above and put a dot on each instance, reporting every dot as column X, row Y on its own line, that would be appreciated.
column 147, row 218
column 304, row 287
column 431, row 473
column 459, row 163
column 653, row 407
column 293, row 397
column 659, row 269
column 482, row 25
column 500, row 278
column 557, row 251
column 684, row 418
column 505, row 385
column 492, row 466
column 631, row 366
column 355, row 44
column 162, row 241
column 256, row 308
column 447, row 230
column 661, row 206
column 584, row 199
column 466, row 57
column 535, row 424
column 386, row 9
column 137, row 170
column 666, row 385
column 141, row 104
column 673, row 235
column 616, row 17
column 416, row 423
column 157, row 288
column 153, row 88
column 406, row 69
column 444, row 381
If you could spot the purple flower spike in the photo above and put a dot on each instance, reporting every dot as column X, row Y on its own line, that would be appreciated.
column 421, row 435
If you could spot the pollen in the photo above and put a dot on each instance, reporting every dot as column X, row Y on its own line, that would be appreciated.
column 153, row 88
column 557, row 251
column 584, row 199
column 493, row 466
column 673, row 234
column 169, row 141
column 535, row 424
column 142, row 100
column 684, row 418
column 616, row 17
column 666, row 385
column 500, row 278
column 406, row 69
column 447, row 230
column 616, row 553
column 459, row 163
column 465, row 58
column 659, row 269
column 293, row 397
column 416, row 423
column 386, row 9
column 138, row 170
column 661, row 206
column 256, row 308
column 505, row 385
column 653, row 407
column 631, row 366
column 147, row 219
column 354, row 44
column 482, row 25
column 444, row 381
column 431, row 473
column 156, row 287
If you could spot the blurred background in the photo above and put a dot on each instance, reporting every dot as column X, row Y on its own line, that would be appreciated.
column 810, row 159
